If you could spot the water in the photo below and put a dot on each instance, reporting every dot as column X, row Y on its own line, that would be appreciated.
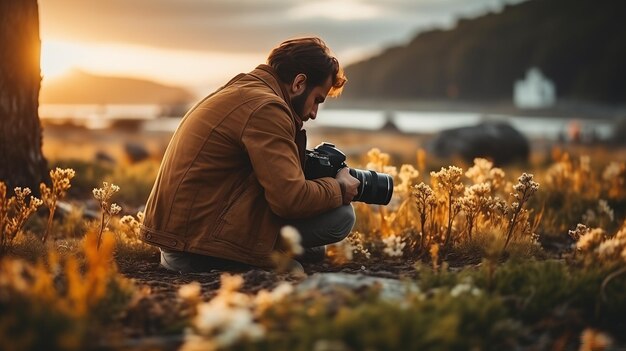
column 417, row 122
column 423, row 122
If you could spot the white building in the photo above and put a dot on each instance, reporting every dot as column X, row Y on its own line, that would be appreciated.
column 535, row 91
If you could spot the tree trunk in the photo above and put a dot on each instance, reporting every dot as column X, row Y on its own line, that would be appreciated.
column 21, row 160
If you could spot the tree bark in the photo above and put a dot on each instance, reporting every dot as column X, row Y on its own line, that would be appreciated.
column 21, row 159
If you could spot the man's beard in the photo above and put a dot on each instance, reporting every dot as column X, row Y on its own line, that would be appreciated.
column 298, row 103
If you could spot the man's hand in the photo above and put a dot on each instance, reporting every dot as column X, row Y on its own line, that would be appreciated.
column 349, row 185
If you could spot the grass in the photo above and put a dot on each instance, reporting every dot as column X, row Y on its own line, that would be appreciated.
column 474, row 232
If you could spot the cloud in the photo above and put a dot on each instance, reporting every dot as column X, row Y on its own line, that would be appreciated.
column 249, row 26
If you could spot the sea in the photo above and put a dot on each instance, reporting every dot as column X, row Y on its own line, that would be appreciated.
column 156, row 118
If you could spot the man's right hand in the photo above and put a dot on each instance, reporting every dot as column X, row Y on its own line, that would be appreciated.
column 348, row 184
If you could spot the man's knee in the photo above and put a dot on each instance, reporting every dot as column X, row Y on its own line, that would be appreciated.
column 345, row 219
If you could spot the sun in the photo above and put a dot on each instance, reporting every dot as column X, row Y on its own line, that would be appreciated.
column 58, row 57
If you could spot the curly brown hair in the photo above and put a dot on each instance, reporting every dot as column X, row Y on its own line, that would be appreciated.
column 311, row 57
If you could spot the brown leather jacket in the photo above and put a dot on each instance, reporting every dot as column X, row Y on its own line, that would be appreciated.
column 232, row 174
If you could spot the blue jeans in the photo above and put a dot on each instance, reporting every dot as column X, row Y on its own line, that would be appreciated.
column 316, row 232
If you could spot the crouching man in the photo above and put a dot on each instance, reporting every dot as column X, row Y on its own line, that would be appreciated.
column 232, row 175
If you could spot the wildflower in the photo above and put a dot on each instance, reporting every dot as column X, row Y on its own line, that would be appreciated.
column 103, row 195
column 593, row 340
column 483, row 172
column 292, row 238
column 15, row 212
column 447, row 182
column 114, row 209
column 226, row 325
column 524, row 189
column 230, row 283
column 190, row 291
column 465, row 287
column 407, row 176
column 475, row 200
column 609, row 247
column 590, row 239
column 585, row 163
column 343, row 251
column 479, row 173
column 358, row 244
column 425, row 200
column 393, row 245
column 614, row 176
column 377, row 160
column 106, row 192
column 621, row 233
column 228, row 317
column 50, row 196
column 580, row 230
column 265, row 299
column 132, row 226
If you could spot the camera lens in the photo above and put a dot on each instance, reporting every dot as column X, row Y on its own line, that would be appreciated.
column 375, row 188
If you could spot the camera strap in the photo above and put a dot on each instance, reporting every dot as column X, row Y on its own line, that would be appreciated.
column 301, row 143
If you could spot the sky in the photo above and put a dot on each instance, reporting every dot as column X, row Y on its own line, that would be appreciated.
column 200, row 44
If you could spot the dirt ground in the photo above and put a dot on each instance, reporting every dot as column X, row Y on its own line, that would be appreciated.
column 161, row 281
column 154, row 321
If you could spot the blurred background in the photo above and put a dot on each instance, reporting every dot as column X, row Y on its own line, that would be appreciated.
column 501, row 78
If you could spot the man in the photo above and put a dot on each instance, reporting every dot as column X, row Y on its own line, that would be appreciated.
column 232, row 175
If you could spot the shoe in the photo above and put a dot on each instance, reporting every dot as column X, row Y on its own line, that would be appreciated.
column 314, row 254
column 175, row 261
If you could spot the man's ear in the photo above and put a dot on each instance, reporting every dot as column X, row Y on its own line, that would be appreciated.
column 299, row 84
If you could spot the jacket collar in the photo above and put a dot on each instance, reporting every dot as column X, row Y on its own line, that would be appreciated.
column 267, row 74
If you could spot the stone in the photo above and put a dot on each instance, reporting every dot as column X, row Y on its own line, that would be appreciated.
column 328, row 283
column 496, row 141
column 136, row 152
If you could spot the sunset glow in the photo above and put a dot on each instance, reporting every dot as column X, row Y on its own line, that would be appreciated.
column 180, row 67
column 58, row 57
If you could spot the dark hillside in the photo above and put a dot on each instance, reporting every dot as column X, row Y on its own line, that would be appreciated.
column 580, row 45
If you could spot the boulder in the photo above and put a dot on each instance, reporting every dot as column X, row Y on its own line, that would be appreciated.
column 496, row 141
column 136, row 152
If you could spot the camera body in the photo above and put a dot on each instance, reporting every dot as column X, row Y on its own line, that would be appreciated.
column 326, row 161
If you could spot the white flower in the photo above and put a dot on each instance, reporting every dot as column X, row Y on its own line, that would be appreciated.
column 292, row 238
column 115, row 209
column 393, row 245
column 590, row 239
column 265, row 299
column 464, row 288
column 190, row 291
column 609, row 247
column 612, row 171
column 230, row 282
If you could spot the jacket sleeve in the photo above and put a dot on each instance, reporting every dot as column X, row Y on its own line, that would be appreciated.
column 269, row 140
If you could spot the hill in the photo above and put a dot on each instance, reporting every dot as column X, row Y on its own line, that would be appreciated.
column 579, row 45
column 78, row 87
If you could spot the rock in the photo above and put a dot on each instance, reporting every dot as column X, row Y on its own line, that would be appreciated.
column 327, row 283
column 497, row 141
column 102, row 156
column 136, row 152
column 65, row 208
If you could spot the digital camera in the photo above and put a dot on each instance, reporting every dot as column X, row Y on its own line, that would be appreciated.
column 326, row 160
